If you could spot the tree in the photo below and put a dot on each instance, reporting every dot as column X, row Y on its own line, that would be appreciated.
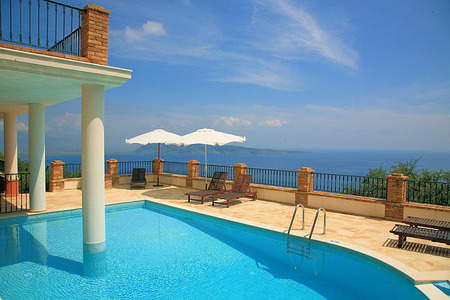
column 22, row 166
column 426, row 187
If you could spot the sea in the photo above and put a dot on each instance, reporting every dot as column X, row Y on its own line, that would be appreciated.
column 345, row 162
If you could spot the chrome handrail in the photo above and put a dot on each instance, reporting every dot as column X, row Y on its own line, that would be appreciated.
column 293, row 218
column 324, row 222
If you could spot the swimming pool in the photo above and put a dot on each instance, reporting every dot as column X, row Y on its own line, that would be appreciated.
column 160, row 252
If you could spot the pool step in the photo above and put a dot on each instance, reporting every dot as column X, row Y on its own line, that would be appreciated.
column 298, row 250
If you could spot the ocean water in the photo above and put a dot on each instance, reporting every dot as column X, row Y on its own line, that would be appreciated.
column 349, row 162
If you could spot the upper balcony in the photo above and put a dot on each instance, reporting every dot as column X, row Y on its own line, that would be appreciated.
column 48, row 51
column 51, row 28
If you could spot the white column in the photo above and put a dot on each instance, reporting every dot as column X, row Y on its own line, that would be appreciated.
column 93, row 168
column 10, row 138
column 36, row 144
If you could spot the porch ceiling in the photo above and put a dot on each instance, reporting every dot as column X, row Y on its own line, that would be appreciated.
column 33, row 78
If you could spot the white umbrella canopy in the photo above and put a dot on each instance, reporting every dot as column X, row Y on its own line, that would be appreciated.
column 207, row 137
column 156, row 136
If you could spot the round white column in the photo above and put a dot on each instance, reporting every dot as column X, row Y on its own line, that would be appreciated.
column 36, row 144
column 93, row 168
column 10, row 138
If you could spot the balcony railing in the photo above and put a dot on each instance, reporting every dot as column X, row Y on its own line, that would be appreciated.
column 428, row 192
column 281, row 178
column 72, row 171
column 14, row 189
column 127, row 167
column 351, row 185
column 437, row 193
column 213, row 168
column 175, row 168
column 41, row 24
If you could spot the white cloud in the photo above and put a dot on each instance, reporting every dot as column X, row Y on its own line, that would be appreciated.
column 150, row 28
column 232, row 122
column 65, row 121
column 264, row 48
column 272, row 123
column 290, row 31
column 21, row 126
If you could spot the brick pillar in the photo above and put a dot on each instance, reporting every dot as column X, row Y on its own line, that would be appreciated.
column 94, row 34
column 396, row 196
column 112, row 168
column 158, row 166
column 305, row 185
column 239, row 169
column 192, row 172
column 57, row 176
column 12, row 185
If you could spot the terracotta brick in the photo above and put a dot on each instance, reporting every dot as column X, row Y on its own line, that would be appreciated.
column 158, row 166
column 192, row 169
column 94, row 32
column 43, row 52
column 239, row 169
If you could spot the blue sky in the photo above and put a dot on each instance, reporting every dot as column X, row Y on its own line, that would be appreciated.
column 285, row 74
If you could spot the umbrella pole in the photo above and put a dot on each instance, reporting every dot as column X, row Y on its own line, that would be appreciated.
column 159, row 157
column 206, row 169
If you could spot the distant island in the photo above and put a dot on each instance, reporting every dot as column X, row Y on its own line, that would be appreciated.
column 57, row 145
column 200, row 149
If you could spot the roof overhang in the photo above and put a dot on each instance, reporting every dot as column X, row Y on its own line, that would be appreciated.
column 34, row 78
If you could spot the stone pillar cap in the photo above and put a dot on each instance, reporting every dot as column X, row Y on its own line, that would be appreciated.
column 240, row 165
column 97, row 8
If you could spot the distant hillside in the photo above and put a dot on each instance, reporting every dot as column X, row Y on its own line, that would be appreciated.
column 73, row 146
column 200, row 149
column 52, row 144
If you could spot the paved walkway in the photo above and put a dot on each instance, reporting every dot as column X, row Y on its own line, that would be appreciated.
column 368, row 235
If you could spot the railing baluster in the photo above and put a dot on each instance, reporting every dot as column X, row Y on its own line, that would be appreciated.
column 39, row 23
column 58, row 40
column 20, row 21
column 1, row 30
column 29, row 22
column 47, row 23
column 56, row 23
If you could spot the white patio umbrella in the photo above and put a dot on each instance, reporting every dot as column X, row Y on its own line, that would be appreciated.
column 207, row 137
column 156, row 136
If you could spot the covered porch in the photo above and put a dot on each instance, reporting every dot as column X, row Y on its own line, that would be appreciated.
column 29, row 83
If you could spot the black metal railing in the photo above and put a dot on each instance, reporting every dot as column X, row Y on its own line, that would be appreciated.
column 72, row 171
column 175, row 168
column 213, row 168
column 70, row 44
column 126, row 167
column 41, row 24
column 428, row 192
column 351, row 185
column 48, row 177
column 14, row 190
column 273, row 177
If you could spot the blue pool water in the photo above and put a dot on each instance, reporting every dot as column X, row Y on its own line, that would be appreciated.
column 158, row 252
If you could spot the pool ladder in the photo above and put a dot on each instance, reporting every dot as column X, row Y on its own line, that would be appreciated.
column 299, row 249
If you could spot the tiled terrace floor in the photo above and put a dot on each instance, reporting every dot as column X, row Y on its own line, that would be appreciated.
column 368, row 235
